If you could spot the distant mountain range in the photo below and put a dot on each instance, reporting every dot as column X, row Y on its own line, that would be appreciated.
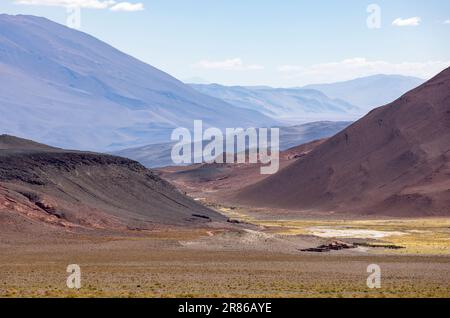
column 301, row 134
column 369, row 92
column 68, row 89
column 336, row 101
column 159, row 155
column 289, row 105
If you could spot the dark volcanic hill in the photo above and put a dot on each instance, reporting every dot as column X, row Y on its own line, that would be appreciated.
column 14, row 143
column 394, row 161
column 82, row 189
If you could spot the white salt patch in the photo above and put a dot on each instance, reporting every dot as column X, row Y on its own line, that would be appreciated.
column 351, row 233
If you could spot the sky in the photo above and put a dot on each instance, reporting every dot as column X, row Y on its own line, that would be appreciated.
column 281, row 43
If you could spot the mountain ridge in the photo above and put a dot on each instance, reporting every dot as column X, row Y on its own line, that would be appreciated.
column 294, row 105
column 105, row 98
column 394, row 161
column 370, row 91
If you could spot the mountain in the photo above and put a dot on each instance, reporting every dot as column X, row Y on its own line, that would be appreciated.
column 196, row 80
column 370, row 92
column 217, row 180
column 159, row 155
column 70, row 90
column 394, row 161
column 292, row 105
column 84, row 190
column 151, row 156
column 301, row 134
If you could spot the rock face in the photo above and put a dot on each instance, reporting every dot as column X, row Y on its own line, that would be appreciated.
column 394, row 161
column 81, row 189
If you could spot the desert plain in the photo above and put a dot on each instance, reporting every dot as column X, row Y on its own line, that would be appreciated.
column 258, row 260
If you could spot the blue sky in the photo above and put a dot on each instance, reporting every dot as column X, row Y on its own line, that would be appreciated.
column 266, row 42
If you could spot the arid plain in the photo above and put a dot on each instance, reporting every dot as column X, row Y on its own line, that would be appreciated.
column 246, row 261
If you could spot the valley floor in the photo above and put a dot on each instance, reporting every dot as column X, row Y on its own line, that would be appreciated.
column 414, row 236
column 214, row 263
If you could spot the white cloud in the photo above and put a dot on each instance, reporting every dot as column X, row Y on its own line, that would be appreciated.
column 86, row 4
column 128, row 7
column 290, row 68
column 414, row 21
column 235, row 64
column 89, row 4
column 447, row 21
column 359, row 67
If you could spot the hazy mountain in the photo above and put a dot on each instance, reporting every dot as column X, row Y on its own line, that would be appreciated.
column 196, row 80
column 294, row 105
column 68, row 89
column 394, row 161
column 369, row 92
column 159, row 155
column 300, row 134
